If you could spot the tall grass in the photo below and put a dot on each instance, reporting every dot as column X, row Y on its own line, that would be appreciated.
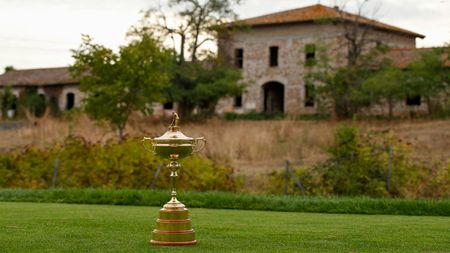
column 249, row 146
column 221, row 200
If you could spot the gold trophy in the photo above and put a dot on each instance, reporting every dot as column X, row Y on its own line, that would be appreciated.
column 173, row 226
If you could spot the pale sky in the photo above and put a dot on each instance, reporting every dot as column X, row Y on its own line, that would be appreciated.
column 40, row 33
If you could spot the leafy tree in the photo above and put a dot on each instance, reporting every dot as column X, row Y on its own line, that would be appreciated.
column 118, row 83
column 357, row 58
column 387, row 85
column 343, row 87
column 9, row 68
column 428, row 76
column 196, row 84
column 202, row 85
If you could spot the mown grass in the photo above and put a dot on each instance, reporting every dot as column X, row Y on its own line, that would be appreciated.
column 222, row 200
column 43, row 227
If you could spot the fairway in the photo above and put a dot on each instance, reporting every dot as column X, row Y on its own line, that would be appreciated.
column 38, row 227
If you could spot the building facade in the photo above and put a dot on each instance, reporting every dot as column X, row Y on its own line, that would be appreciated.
column 277, row 51
column 54, row 85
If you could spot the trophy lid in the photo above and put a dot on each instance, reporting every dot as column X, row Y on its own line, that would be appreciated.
column 174, row 133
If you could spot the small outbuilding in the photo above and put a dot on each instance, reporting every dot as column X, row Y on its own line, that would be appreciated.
column 54, row 85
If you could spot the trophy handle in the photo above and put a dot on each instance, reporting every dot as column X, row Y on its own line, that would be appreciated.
column 202, row 139
column 145, row 147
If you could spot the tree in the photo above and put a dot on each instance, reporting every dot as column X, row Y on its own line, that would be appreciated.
column 202, row 85
column 428, row 76
column 9, row 68
column 195, row 83
column 343, row 80
column 387, row 85
column 343, row 88
column 116, row 84
column 197, row 21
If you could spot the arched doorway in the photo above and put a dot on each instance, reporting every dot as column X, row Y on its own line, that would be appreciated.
column 70, row 100
column 273, row 97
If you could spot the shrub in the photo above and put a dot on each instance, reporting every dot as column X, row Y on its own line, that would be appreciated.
column 33, row 102
column 352, row 168
column 361, row 165
column 114, row 165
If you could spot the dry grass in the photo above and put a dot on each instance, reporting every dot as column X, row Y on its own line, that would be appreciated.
column 248, row 146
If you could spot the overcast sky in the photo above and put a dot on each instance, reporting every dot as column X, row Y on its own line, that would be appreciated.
column 40, row 33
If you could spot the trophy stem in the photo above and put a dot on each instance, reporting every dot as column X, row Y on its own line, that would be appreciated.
column 174, row 204
column 173, row 177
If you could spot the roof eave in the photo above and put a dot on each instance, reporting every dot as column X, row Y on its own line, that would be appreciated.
column 269, row 24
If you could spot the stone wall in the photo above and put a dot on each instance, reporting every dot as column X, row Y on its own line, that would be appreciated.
column 66, row 90
column 291, row 40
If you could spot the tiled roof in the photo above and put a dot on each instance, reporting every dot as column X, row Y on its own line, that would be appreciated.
column 318, row 12
column 401, row 57
column 37, row 77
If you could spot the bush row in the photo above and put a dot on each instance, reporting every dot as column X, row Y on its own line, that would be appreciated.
column 371, row 165
column 376, row 165
column 222, row 200
column 114, row 165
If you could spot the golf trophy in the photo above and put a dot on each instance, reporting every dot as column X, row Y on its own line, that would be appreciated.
column 173, row 226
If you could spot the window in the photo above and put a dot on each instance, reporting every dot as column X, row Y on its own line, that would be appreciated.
column 13, row 102
column 273, row 56
column 70, row 100
column 413, row 100
column 238, row 101
column 310, row 54
column 310, row 94
column 239, row 58
column 168, row 106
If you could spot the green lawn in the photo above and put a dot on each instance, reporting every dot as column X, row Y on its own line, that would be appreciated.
column 40, row 227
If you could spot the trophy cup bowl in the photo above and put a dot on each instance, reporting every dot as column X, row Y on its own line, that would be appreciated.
column 175, row 143
column 173, row 226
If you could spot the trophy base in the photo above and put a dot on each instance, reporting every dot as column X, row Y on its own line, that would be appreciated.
column 173, row 243
column 173, row 228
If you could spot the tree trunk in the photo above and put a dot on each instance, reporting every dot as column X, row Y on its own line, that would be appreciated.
column 182, row 45
column 185, row 109
column 198, row 23
column 432, row 108
column 120, row 134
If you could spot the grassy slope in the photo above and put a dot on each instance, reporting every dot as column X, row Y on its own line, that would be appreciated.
column 250, row 146
column 42, row 227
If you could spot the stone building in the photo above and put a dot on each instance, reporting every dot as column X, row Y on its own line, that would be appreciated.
column 276, row 51
column 53, row 84
column 56, row 85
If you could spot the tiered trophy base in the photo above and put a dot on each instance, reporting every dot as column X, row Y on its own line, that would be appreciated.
column 173, row 227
